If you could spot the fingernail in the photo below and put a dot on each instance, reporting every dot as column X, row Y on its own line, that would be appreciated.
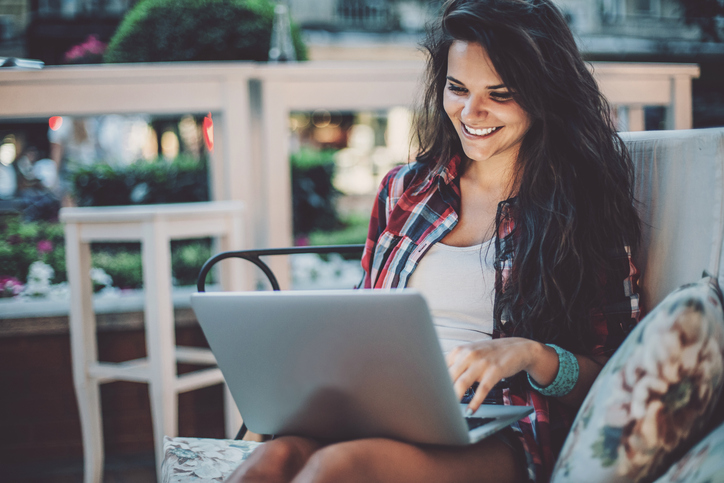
column 468, row 412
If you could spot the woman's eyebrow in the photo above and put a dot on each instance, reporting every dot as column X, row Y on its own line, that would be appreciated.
column 492, row 88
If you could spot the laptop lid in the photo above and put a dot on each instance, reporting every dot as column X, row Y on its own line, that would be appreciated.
column 333, row 364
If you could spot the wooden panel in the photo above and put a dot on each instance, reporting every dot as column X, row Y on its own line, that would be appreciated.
column 81, row 98
column 637, row 90
column 352, row 95
column 111, row 232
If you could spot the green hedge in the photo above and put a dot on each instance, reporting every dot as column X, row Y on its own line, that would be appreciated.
column 122, row 261
column 190, row 30
column 144, row 182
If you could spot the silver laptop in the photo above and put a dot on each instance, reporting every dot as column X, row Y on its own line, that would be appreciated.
column 340, row 365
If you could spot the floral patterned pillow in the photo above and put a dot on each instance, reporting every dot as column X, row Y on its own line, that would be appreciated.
column 655, row 396
column 703, row 464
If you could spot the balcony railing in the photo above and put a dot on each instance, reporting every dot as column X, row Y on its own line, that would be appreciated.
column 251, row 104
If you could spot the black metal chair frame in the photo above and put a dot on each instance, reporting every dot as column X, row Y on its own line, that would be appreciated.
column 253, row 257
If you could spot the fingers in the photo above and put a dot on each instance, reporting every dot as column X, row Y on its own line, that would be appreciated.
column 459, row 363
column 476, row 362
column 485, row 385
column 469, row 366
column 487, row 375
column 462, row 383
column 452, row 356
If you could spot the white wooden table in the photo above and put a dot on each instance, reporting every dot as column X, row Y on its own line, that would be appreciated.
column 154, row 226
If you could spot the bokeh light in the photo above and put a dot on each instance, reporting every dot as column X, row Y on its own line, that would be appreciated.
column 8, row 151
column 209, row 132
column 169, row 145
column 55, row 122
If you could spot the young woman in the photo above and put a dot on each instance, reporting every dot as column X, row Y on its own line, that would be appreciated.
column 516, row 223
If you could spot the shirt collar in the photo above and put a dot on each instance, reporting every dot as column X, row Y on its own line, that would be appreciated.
column 442, row 176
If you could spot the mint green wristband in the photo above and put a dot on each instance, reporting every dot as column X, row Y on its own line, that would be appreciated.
column 565, row 379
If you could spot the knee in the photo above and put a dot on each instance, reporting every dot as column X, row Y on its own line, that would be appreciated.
column 277, row 454
column 271, row 462
column 334, row 463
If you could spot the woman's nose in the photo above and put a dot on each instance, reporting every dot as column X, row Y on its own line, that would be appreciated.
column 476, row 107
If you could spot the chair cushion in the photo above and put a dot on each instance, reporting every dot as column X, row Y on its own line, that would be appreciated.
column 196, row 460
column 704, row 463
column 656, row 394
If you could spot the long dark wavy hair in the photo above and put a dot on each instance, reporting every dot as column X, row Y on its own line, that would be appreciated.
column 573, row 185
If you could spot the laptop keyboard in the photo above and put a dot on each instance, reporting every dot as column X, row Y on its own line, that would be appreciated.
column 477, row 422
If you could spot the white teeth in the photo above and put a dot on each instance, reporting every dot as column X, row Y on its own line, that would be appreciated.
column 480, row 132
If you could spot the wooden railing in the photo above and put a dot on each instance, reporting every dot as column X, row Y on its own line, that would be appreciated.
column 251, row 105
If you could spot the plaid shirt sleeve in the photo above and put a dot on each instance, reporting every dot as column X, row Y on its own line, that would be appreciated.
column 619, row 311
column 378, row 223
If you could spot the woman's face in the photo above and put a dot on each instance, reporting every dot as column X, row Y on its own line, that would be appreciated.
column 491, row 125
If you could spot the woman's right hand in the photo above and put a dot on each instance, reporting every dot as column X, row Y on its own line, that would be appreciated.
column 487, row 362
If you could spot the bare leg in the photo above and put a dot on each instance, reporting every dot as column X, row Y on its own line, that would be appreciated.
column 276, row 461
column 384, row 460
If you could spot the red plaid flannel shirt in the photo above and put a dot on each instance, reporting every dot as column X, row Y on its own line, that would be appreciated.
column 415, row 209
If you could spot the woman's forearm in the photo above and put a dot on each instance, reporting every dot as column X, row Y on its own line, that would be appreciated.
column 544, row 368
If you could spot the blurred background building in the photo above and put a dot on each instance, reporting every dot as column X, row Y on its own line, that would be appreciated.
column 663, row 30
column 688, row 31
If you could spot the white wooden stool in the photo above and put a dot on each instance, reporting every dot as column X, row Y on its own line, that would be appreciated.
column 154, row 226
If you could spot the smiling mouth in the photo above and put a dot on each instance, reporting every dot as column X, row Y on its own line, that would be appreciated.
column 481, row 132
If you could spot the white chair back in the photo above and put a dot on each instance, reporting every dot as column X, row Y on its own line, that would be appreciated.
column 680, row 191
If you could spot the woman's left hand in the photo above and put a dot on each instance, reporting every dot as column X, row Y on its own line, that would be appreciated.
column 489, row 361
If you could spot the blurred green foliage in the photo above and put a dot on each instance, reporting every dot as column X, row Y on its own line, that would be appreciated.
column 26, row 242
column 189, row 30
column 122, row 261
column 23, row 243
column 313, row 194
column 187, row 258
column 354, row 232
column 184, row 179
column 307, row 158
column 124, row 267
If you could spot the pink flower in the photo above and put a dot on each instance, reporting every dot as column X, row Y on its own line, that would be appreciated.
column 92, row 47
column 10, row 286
column 45, row 246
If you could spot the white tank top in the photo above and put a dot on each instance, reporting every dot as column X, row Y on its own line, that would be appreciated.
column 458, row 284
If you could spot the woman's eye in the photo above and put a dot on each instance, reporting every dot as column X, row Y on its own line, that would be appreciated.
column 501, row 96
column 457, row 89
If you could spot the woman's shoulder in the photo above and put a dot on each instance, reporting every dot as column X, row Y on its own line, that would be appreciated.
column 404, row 177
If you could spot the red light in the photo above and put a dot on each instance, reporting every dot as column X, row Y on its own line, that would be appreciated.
column 209, row 132
column 55, row 122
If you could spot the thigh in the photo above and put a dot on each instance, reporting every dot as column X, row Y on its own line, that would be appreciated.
column 384, row 460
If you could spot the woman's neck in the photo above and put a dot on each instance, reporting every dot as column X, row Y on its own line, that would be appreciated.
column 495, row 178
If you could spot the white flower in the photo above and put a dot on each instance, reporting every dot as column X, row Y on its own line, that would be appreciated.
column 99, row 276
column 39, row 276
